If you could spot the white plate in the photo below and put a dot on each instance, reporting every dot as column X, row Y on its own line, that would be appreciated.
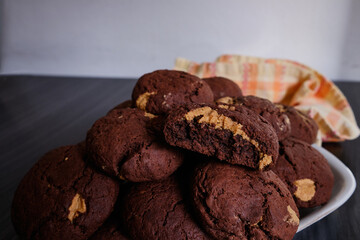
column 344, row 187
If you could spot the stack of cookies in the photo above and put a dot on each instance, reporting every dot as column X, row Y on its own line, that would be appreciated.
column 186, row 158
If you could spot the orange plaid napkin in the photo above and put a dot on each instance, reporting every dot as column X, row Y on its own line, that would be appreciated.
column 286, row 82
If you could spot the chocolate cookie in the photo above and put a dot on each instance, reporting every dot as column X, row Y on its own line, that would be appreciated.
column 162, row 90
column 156, row 210
column 302, row 126
column 61, row 197
column 237, row 203
column 306, row 172
column 125, row 104
column 111, row 230
column 278, row 119
column 238, row 137
column 223, row 87
column 122, row 145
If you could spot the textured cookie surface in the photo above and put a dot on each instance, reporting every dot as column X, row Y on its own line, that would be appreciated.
column 223, row 87
column 305, row 171
column 122, row 145
column 156, row 210
column 111, row 230
column 238, row 137
column 237, row 203
column 302, row 126
column 278, row 119
column 125, row 104
column 61, row 197
column 160, row 91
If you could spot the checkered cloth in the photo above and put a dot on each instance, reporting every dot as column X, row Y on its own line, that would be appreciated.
column 286, row 82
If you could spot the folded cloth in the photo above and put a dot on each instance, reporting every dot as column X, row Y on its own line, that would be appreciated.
column 286, row 82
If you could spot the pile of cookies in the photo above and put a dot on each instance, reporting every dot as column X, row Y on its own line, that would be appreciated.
column 186, row 158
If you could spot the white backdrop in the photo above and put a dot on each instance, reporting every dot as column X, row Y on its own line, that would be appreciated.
column 126, row 38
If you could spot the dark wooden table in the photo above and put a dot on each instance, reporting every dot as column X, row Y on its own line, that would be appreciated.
column 38, row 114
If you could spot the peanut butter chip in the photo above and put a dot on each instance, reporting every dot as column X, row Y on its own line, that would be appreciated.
column 212, row 117
column 149, row 115
column 292, row 218
column 226, row 100
column 141, row 101
column 287, row 120
column 224, row 106
column 265, row 161
column 232, row 108
column 77, row 206
column 280, row 107
column 305, row 190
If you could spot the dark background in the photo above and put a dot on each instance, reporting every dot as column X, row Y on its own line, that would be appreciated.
column 39, row 113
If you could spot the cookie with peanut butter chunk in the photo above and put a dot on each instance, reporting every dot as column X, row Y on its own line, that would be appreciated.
column 234, row 202
column 223, row 87
column 123, row 144
column 278, row 119
column 238, row 137
column 303, row 127
column 160, row 91
column 306, row 173
column 61, row 197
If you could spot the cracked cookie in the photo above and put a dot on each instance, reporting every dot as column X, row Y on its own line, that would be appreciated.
column 233, row 202
column 223, row 87
column 61, row 197
column 162, row 90
column 237, row 137
column 306, row 173
column 111, row 230
column 156, row 210
column 122, row 145
column 303, row 127
column 278, row 119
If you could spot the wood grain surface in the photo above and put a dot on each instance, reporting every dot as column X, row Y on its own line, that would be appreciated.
column 38, row 114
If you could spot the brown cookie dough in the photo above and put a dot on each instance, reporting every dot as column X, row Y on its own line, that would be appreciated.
column 237, row 203
column 238, row 137
column 160, row 91
column 156, row 210
column 122, row 145
column 223, row 87
column 305, row 171
column 61, row 197
column 302, row 126
column 278, row 119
